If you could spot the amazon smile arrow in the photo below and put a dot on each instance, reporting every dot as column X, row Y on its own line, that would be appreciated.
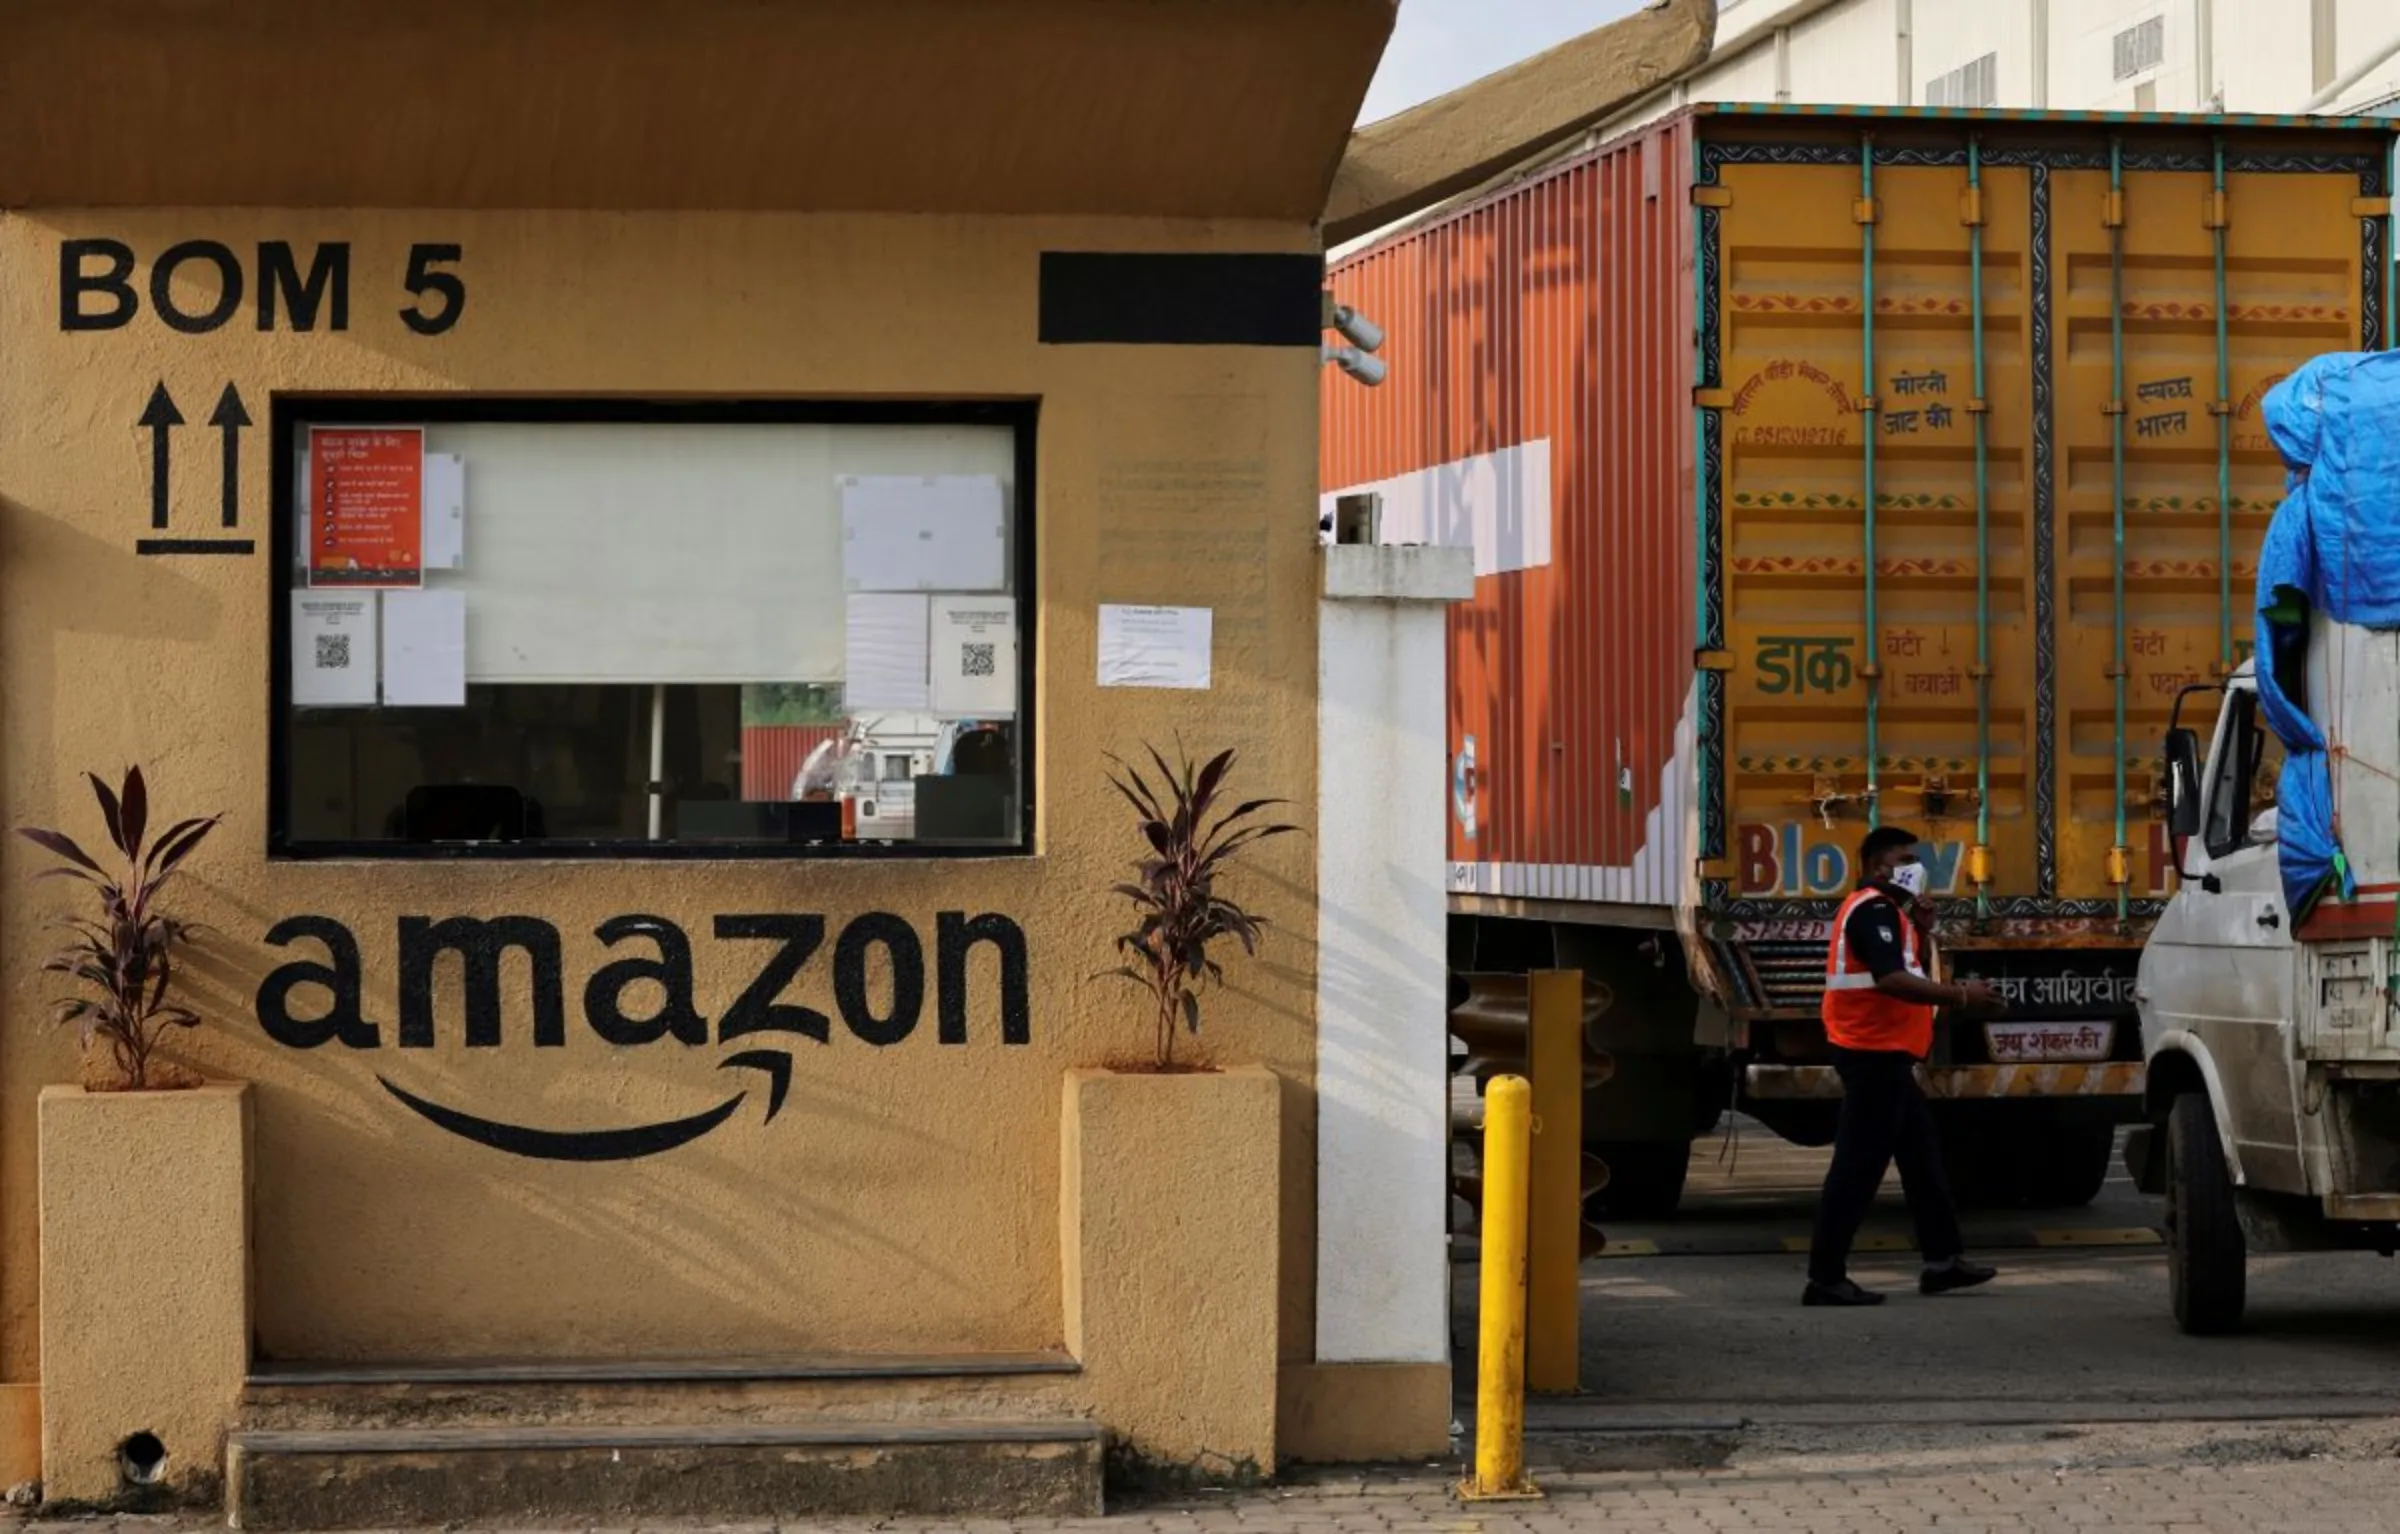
column 629, row 1144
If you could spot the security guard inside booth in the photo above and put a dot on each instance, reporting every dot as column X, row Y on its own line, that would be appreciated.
column 1880, row 1001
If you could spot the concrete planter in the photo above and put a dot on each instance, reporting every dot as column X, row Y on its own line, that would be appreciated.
column 145, row 1210
column 1170, row 1215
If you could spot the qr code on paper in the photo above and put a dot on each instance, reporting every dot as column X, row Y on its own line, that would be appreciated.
column 978, row 660
column 333, row 652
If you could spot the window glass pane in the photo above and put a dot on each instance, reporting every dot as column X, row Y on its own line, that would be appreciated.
column 2228, row 814
column 538, row 634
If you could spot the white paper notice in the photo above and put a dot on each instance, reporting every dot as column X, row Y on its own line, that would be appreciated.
column 885, row 672
column 1155, row 647
column 425, row 649
column 333, row 649
column 444, row 495
column 924, row 533
column 975, row 656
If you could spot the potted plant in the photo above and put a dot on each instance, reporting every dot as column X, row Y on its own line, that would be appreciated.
column 1172, row 1167
column 121, row 952
column 144, row 1162
column 1174, row 891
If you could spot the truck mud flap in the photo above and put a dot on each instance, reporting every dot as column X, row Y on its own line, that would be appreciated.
column 1957, row 1082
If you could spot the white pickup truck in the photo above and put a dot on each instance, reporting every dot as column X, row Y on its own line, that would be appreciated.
column 2272, row 1043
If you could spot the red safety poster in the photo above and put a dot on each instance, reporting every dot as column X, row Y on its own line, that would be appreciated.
column 366, row 521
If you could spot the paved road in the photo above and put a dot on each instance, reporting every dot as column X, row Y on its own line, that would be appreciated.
column 2059, row 1398
column 1697, row 1320
column 1750, row 1192
column 2292, row 1478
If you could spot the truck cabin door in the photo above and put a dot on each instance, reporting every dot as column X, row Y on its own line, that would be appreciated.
column 2223, row 969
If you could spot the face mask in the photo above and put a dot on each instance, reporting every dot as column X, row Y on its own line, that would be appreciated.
column 1909, row 878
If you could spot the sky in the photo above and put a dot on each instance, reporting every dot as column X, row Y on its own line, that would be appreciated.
column 1441, row 44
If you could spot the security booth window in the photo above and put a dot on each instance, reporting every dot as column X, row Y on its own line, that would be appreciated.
column 544, row 629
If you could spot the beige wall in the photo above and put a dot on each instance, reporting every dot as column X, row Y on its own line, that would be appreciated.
column 1849, row 52
column 1947, row 36
column 2083, row 58
column 1747, row 76
column 2260, row 53
column 907, row 1197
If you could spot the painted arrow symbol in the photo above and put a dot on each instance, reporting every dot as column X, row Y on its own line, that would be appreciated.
column 161, row 416
column 229, row 417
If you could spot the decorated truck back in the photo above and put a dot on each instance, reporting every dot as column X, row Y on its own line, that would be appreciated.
column 1833, row 469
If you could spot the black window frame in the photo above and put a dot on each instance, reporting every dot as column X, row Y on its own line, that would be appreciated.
column 291, row 414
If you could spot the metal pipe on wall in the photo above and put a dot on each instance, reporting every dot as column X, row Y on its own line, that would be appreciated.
column 2041, row 54
column 2204, row 49
column 1905, row 48
column 2375, row 59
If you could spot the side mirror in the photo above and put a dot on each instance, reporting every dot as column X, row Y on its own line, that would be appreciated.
column 2183, row 783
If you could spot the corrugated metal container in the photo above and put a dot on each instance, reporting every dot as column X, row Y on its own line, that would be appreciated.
column 1540, row 347
column 772, row 755
column 1734, row 333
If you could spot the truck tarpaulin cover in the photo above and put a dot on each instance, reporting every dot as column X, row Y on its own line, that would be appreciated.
column 2330, row 550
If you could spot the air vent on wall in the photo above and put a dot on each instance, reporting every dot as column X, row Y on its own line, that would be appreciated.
column 2140, row 47
column 1975, row 83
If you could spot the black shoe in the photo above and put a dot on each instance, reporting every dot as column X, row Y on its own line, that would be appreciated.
column 1957, row 1273
column 1845, row 1293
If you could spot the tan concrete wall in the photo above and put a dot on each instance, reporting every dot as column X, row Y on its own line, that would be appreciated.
column 1203, row 108
column 144, row 1199
column 907, row 1197
column 1169, row 1269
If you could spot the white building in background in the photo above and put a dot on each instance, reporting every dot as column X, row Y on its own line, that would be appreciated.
column 2254, row 56
column 2266, row 56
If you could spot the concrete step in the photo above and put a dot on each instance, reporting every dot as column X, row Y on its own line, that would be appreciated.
column 318, row 1397
column 515, row 1476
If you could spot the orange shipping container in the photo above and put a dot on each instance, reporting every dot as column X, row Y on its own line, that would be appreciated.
column 1560, row 349
column 1828, row 466
column 773, row 754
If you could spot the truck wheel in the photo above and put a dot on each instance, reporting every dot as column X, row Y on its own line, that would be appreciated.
column 2204, row 1236
column 1645, row 1181
column 2070, row 1165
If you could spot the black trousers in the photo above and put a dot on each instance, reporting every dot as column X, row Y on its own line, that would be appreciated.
column 1884, row 1117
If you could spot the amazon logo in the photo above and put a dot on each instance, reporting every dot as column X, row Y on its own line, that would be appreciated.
column 760, row 1029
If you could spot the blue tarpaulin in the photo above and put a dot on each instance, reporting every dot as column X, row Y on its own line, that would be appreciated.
column 2332, row 548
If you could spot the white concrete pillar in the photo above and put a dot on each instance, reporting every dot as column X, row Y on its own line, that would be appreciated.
column 1383, row 1132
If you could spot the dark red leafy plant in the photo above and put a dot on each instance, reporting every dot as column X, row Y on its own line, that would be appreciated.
column 1174, row 891
column 122, row 957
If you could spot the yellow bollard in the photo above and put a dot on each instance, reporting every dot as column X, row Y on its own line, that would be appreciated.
column 1500, row 1359
column 1554, row 1222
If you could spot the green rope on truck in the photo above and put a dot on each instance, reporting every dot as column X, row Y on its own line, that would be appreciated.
column 2116, row 347
column 2224, row 416
column 1866, row 192
column 1983, row 536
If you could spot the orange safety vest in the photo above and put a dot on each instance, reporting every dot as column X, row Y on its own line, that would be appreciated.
column 1858, row 1016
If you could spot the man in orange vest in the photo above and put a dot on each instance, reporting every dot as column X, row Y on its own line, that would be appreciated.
column 1879, row 1007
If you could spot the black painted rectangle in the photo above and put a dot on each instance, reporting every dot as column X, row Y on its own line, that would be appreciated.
column 195, row 546
column 1119, row 298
